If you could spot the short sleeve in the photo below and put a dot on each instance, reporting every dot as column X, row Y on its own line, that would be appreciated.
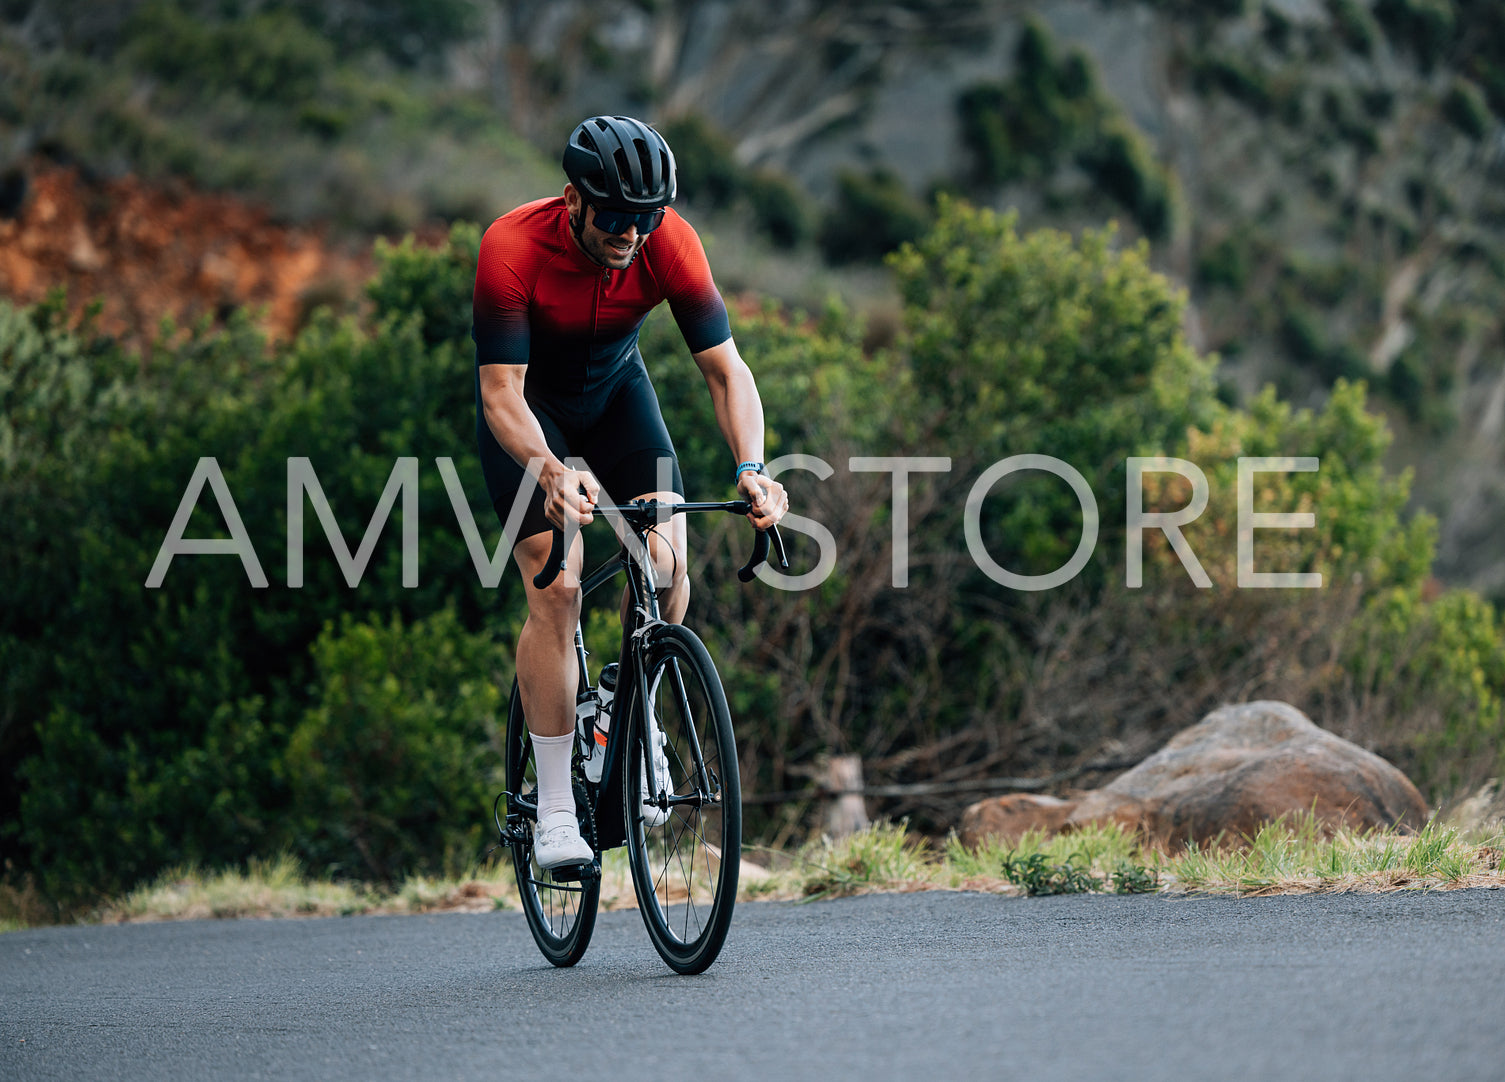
column 499, row 307
column 689, row 288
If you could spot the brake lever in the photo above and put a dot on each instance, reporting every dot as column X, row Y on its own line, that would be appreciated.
column 778, row 548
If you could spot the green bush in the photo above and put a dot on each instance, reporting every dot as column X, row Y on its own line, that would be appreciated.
column 873, row 215
column 1052, row 111
column 269, row 57
column 1423, row 27
column 1224, row 264
column 1276, row 28
column 432, row 284
column 1406, row 386
column 1354, row 25
column 1023, row 127
column 1125, row 168
column 1439, row 670
column 710, row 175
column 146, row 727
column 1465, row 108
column 1069, row 348
column 707, row 170
column 778, row 208
column 1243, row 80
column 393, row 767
column 409, row 31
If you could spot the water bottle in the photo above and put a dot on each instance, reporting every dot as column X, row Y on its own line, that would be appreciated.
column 596, row 745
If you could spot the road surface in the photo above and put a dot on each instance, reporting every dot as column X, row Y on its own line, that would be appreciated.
column 917, row 987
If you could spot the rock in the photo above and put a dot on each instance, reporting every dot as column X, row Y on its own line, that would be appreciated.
column 1229, row 774
column 1242, row 766
column 1007, row 818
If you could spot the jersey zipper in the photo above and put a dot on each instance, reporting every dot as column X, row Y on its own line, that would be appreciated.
column 601, row 280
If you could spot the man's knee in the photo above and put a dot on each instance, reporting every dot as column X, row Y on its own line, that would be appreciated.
column 559, row 602
column 669, row 561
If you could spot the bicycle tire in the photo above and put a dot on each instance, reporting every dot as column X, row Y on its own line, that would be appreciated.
column 685, row 869
column 561, row 914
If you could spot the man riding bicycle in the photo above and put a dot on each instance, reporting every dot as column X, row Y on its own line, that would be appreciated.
column 562, row 287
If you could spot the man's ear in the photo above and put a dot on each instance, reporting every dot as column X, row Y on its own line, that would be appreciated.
column 571, row 199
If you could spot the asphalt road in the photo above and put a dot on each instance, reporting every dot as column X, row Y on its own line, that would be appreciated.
column 919, row 986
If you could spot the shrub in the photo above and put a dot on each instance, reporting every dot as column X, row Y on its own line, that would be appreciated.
column 269, row 57
column 392, row 769
column 1052, row 111
column 1465, row 108
column 1406, row 386
column 1276, row 27
column 1044, row 113
column 1354, row 25
column 778, row 208
column 408, row 31
column 707, row 171
column 710, row 174
column 1225, row 264
column 1242, row 80
column 1070, row 348
column 432, row 284
column 182, row 757
column 873, row 215
column 1423, row 27
column 1125, row 168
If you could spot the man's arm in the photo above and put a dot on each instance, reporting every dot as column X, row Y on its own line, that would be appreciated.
column 517, row 430
column 739, row 414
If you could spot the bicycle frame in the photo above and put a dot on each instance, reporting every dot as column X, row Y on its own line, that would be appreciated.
column 640, row 517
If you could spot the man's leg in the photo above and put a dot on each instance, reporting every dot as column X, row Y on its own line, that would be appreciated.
column 546, row 671
column 667, row 545
column 547, row 680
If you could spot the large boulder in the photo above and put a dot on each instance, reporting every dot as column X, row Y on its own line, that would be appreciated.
column 1240, row 767
column 1009, row 818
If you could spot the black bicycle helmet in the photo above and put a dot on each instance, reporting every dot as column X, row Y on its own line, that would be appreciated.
column 618, row 163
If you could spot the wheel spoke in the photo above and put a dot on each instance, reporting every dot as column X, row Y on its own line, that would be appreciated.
column 561, row 915
column 690, row 711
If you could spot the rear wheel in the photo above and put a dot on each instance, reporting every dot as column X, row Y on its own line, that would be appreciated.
column 685, row 848
column 561, row 913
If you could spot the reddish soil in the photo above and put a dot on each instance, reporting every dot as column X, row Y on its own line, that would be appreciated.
column 149, row 251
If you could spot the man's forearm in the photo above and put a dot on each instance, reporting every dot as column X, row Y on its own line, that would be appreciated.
column 515, row 428
column 739, row 412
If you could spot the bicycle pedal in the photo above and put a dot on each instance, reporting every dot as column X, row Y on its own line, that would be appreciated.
column 576, row 873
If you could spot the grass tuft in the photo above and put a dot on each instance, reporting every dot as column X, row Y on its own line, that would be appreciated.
column 1291, row 855
column 883, row 857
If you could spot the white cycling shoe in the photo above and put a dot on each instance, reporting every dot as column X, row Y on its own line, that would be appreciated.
column 557, row 842
column 653, row 815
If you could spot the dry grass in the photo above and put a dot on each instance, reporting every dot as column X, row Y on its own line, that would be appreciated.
column 1286, row 857
column 1289, row 856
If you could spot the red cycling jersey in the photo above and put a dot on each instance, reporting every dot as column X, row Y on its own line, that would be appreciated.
column 540, row 301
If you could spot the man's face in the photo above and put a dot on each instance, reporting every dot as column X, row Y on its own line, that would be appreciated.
column 615, row 251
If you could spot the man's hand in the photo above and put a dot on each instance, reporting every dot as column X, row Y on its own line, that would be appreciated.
column 768, row 498
column 564, row 504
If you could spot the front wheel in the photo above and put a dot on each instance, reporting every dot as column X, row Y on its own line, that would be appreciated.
column 684, row 838
column 561, row 913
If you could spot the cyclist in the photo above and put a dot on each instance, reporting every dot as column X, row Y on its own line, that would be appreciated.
column 562, row 287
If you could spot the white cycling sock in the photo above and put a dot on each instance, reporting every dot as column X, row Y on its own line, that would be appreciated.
column 551, row 760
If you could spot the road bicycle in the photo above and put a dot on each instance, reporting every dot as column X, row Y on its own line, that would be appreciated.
column 678, row 812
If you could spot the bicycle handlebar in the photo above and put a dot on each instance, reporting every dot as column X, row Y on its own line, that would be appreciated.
column 641, row 512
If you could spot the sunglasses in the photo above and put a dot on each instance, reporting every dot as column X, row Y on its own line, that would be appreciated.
column 617, row 222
